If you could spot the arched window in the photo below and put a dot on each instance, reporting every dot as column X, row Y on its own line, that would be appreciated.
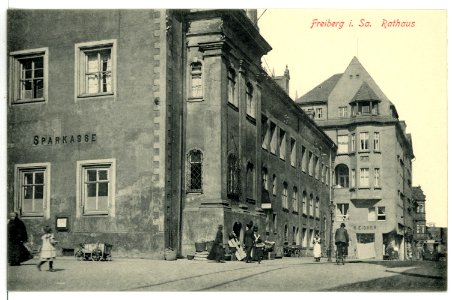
column 233, row 176
column 342, row 176
column 232, row 95
column 317, row 207
column 311, row 205
column 250, row 105
column 194, row 160
column 196, row 82
column 284, row 200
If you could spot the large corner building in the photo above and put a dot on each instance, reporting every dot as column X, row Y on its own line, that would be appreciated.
column 373, row 167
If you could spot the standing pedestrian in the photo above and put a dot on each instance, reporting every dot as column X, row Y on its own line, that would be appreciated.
column 48, row 251
column 249, row 241
column 258, row 245
column 218, row 245
column 317, row 248
column 17, row 236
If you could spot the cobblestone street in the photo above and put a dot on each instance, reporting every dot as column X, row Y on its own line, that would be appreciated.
column 288, row 274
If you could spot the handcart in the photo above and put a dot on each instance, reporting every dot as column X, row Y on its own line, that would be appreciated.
column 94, row 252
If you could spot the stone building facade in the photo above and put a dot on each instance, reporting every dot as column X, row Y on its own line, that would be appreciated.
column 148, row 128
column 373, row 167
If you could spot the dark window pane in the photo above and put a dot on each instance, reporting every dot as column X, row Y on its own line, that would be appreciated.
column 92, row 175
column 103, row 189
column 28, row 178
column 39, row 73
column 196, row 176
column 39, row 178
column 28, row 192
column 39, row 192
column 39, row 62
column 195, row 157
column 103, row 175
column 91, row 187
column 26, row 64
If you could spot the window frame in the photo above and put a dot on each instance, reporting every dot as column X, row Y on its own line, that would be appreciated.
column 82, row 166
column 19, row 170
column 250, row 101
column 80, row 50
column 284, row 196
column 344, row 213
column 343, row 112
column 295, row 199
column 189, row 189
column 282, row 144
column 232, row 88
column 381, row 216
column 364, row 141
column 377, row 141
column 377, row 178
column 233, row 177
column 342, row 144
column 364, row 180
column 15, row 68
column 319, row 112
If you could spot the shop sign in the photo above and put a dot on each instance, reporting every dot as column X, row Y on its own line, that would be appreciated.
column 64, row 139
column 365, row 227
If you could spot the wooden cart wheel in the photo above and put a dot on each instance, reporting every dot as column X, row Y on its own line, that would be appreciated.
column 79, row 255
column 96, row 255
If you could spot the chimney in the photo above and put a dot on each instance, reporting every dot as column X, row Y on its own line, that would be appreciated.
column 283, row 81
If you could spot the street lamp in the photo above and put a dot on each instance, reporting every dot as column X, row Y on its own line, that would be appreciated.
column 331, row 206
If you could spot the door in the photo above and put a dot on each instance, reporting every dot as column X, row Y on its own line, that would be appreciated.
column 365, row 245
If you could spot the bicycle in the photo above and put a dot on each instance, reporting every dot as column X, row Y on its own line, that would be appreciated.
column 340, row 253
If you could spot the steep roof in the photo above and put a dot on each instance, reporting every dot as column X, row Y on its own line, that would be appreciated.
column 365, row 93
column 321, row 92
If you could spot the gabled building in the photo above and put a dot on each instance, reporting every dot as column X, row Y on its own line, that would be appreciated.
column 373, row 166
column 146, row 129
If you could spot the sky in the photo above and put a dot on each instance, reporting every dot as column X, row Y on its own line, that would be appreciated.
column 409, row 64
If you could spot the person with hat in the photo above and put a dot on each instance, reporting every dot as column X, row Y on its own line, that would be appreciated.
column 258, row 245
column 341, row 239
column 248, row 240
column 217, row 247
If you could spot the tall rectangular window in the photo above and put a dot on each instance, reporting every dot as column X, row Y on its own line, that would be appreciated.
column 303, row 158
column 311, row 206
column 265, row 178
column 95, row 67
column 353, row 142
column 311, row 163
column 364, row 141
column 364, row 177
column 282, row 144
column 317, row 208
column 293, row 152
column 343, row 112
column 284, row 199
column 194, row 171
column 250, row 182
column 265, row 132
column 342, row 144
column 316, row 167
column 274, row 138
column 250, row 101
column 353, row 179
column 295, row 199
column 322, row 172
column 377, row 177
column 32, row 192
column 372, row 214
column 319, row 113
column 304, row 203
column 376, row 141
column 29, row 75
column 96, row 187
column 232, row 95
column 274, row 185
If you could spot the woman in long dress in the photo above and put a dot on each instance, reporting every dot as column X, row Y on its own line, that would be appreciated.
column 317, row 248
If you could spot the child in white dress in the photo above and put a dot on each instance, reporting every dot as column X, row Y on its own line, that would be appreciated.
column 48, row 251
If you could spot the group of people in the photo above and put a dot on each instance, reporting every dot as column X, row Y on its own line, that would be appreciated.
column 18, row 238
column 253, row 245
